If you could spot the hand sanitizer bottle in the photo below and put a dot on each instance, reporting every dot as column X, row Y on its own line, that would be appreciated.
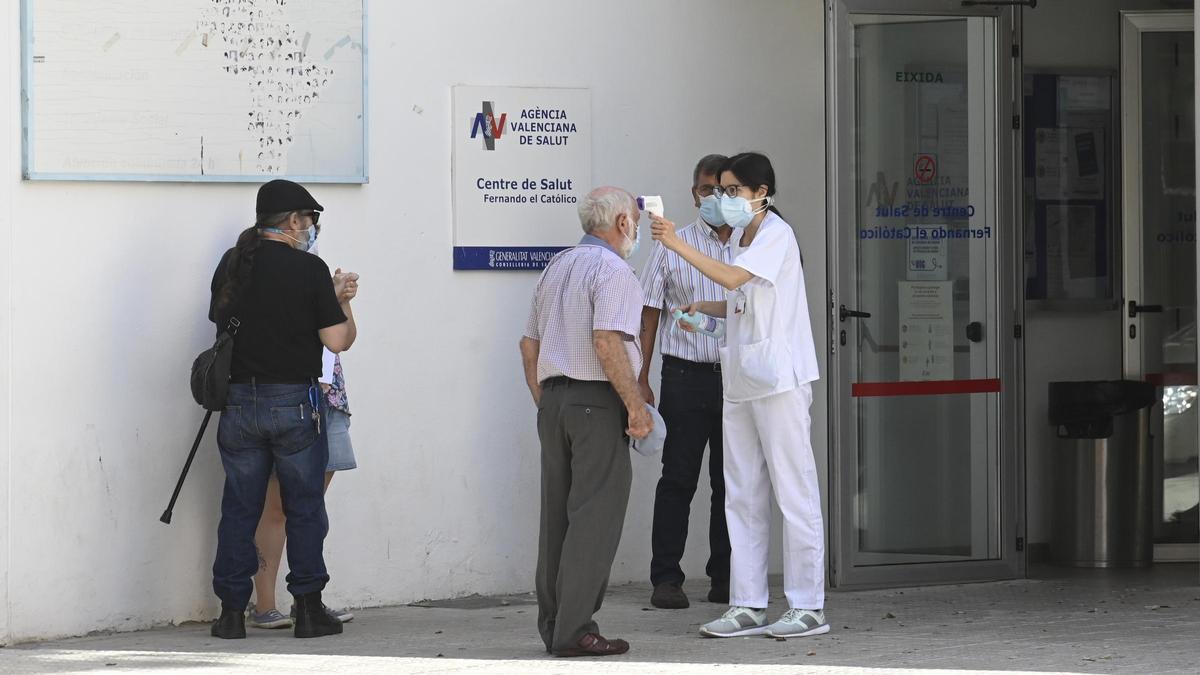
column 703, row 323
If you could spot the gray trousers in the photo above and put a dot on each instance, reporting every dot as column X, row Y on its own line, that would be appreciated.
column 586, row 475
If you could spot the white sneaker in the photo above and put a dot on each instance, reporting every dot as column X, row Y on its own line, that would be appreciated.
column 799, row 623
column 736, row 622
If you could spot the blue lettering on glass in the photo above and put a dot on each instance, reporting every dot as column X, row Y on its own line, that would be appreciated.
column 925, row 211
column 1176, row 237
column 880, row 232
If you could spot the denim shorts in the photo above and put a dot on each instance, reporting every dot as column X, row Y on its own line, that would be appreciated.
column 341, row 450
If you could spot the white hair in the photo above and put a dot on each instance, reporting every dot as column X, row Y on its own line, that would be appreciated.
column 598, row 211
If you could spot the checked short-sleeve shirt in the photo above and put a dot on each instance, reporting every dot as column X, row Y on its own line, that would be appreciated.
column 585, row 288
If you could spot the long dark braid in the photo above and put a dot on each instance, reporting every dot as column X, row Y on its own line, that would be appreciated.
column 240, row 266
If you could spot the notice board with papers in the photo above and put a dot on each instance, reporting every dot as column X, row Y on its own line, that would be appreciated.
column 194, row 90
column 1070, row 173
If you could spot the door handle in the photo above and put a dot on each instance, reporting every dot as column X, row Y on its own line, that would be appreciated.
column 1135, row 309
column 975, row 331
column 843, row 313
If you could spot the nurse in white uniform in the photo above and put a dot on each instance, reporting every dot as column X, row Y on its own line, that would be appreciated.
column 768, row 362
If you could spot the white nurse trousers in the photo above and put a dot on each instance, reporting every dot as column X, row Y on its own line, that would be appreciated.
column 768, row 445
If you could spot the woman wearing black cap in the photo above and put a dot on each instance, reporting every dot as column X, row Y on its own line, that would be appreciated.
column 286, row 306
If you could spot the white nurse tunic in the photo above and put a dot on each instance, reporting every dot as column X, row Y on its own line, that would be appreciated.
column 768, row 363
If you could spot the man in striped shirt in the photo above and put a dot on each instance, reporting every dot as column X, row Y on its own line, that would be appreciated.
column 691, row 397
column 581, row 357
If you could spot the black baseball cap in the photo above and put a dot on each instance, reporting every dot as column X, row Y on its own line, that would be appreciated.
column 280, row 196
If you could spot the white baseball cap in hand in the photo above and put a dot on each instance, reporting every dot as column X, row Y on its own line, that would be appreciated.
column 652, row 444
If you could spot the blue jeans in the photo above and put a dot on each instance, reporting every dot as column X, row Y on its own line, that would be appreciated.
column 267, row 426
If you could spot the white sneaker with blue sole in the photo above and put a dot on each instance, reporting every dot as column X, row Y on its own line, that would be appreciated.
column 799, row 623
column 737, row 622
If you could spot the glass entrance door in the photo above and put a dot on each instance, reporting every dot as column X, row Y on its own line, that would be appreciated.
column 1159, row 331
column 923, row 230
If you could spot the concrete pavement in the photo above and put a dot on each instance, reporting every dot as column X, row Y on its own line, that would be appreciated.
column 1070, row 622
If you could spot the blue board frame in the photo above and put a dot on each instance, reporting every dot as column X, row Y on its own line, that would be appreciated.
column 28, row 135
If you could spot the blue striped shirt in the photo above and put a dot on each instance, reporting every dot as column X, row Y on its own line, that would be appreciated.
column 669, row 281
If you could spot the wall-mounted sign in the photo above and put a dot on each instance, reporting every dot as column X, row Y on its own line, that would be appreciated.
column 522, row 160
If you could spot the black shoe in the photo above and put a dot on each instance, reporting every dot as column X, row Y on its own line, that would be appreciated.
column 311, row 618
column 719, row 593
column 231, row 625
column 669, row 596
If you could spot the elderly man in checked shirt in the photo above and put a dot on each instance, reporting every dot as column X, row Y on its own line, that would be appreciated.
column 581, row 357
column 691, row 398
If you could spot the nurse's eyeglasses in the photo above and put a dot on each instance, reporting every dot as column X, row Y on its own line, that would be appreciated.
column 729, row 190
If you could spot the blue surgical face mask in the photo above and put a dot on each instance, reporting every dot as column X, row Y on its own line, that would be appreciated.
column 710, row 210
column 737, row 211
column 309, row 242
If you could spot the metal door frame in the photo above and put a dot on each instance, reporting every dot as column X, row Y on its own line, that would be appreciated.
column 840, row 120
column 1133, row 25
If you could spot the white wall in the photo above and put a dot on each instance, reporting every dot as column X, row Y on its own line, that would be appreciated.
column 9, row 156
column 109, row 286
column 1067, row 345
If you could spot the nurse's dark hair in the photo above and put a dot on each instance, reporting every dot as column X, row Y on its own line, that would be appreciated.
column 709, row 165
column 753, row 170
column 240, row 266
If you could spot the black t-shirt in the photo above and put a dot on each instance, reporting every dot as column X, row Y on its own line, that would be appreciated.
column 290, row 296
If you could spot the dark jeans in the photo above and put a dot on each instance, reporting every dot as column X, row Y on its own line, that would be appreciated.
column 269, row 426
column 691, row 405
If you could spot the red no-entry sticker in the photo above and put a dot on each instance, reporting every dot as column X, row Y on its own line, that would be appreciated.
column 925, row 169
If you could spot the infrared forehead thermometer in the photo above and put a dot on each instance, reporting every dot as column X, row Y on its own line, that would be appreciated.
column 651, row 203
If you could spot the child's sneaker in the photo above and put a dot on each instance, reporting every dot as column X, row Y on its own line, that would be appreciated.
column 271, row 618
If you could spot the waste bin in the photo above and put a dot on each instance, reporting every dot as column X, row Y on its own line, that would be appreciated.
column 1103, row 473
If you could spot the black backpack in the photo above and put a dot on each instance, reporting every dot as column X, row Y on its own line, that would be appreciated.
column 210, row 370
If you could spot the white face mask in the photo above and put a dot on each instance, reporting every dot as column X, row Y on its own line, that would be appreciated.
column 633, row 243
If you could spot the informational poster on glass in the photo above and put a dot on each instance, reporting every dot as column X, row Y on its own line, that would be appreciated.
column 1068, row 164
column 194, row 90
column 522, row 161
column 928, row 260
column 1069, row 186
column 926, row 331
